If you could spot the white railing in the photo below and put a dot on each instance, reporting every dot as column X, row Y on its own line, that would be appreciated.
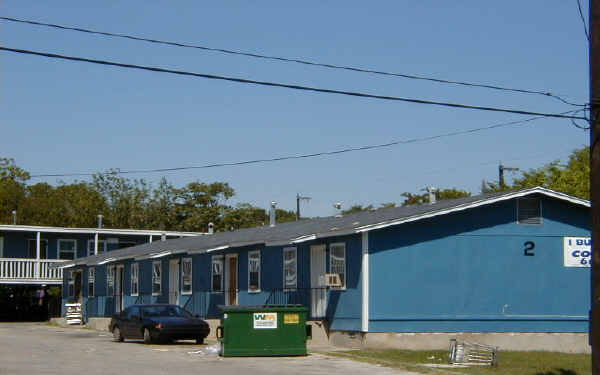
column 19, row 270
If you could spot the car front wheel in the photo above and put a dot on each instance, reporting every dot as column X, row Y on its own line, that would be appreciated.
column 199, row 340
column 117, row 336
column 147, row 336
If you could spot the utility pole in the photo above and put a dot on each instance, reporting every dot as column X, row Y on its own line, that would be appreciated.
column 298, row 199
column 501, row 169
column 594, row 34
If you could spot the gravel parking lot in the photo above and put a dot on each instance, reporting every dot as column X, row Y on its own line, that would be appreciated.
column 30, row 348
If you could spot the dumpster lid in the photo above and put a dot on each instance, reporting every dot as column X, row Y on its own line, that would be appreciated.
column 251, row 308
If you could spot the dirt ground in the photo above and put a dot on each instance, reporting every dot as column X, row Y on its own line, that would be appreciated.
column 39, row 348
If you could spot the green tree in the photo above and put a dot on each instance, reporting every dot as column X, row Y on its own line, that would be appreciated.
column 283, row 216
column 245, row 215
column 359, row 208
column 199, row 204
column 79, row 204
column 67, row 205
column 572, row 178
column 127, row 200
column 12, row 189
column 441, row 194
column 162, row 207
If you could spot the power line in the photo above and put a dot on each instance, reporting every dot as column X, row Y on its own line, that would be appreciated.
column 290, row 86
column 585, row 29
column 293, row 60
column 302, row 156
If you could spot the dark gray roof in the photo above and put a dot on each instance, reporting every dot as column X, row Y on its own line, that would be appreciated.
column 291, row 232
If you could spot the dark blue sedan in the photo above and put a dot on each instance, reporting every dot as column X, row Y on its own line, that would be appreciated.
column 154, row 323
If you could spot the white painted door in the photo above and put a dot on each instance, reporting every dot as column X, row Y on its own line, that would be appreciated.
column 174, row 282
column 318, row 305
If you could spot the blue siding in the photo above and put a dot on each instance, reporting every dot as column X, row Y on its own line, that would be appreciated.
column 467, row 272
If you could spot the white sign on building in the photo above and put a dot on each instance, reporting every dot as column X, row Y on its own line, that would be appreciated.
column 577, row 251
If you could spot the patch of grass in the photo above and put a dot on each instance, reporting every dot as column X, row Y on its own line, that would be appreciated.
column 509, row 363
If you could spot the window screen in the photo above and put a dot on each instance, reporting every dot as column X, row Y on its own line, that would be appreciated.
column 91, row 281
column 187, row 276
column 254, row 271
column 289, row 268
column 217, row 274
column 110, row 281
column 156, row 278
column 338, row 261
column 134, row 279
column 67, row 249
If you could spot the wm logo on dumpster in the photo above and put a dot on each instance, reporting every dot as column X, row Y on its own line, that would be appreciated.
column 265, row 320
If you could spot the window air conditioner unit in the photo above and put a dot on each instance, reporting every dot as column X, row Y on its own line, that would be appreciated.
column 333, row 280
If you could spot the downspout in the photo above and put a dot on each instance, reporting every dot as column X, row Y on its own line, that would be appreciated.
column 365, row 282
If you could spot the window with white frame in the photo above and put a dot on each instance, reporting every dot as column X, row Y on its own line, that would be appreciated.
column 101, row 247
column 32, row 248
column 110, row 280
column 337, row 262
column 290, row 268
column 217, row 273
column 91, row 281
column 254, row 271
column 186, row 276
column 67, row 249
column 156, row 281
column 135, row 272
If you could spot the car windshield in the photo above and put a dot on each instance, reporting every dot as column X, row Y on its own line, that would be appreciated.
column 165, row 311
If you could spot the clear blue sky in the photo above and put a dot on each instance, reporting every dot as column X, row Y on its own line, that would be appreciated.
column 61, row 117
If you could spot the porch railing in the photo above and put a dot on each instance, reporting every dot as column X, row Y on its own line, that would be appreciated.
column 315, row 299
column 20, row 270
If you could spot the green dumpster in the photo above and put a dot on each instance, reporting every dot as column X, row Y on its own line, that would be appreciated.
column 268, row 330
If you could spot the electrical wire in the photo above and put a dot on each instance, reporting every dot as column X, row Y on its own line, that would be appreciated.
column 293, row 60
column 289, row 86
column 577, row 125
column 585, row 28
column 302, row 156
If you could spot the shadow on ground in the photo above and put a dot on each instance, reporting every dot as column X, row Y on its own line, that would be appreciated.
column 558, row 371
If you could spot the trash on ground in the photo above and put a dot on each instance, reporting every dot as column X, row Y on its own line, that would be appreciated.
column 472, row 353
column 441, row 365
column 209, row 350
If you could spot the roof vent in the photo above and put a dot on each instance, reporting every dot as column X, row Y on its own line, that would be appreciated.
column 211, row 228
column 432, row 191
column 99, row 221
column 272, row 213
column 14, row 214
column 338, row 209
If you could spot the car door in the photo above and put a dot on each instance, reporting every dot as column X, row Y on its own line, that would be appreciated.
column 123, row 323
column 135, row 322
